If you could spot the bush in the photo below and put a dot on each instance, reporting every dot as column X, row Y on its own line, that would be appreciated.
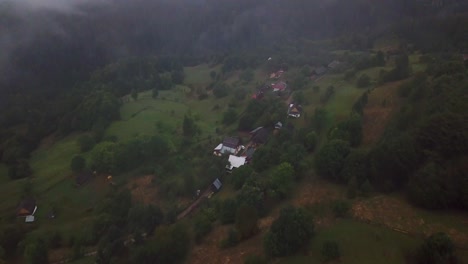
column 227, row 212
column 246, row 221
column 201, row 227
column 291, row 231
column 331, row 158
column 310, row 141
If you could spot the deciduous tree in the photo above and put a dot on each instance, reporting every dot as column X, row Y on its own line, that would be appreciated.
column 290, row 232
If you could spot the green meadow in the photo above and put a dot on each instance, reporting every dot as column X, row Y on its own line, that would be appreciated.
column 360, row 243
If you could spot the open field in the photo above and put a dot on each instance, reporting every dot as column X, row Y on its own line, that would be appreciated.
column 50, row 166
column 200, row 74
column 359, row 243
column 383, row 102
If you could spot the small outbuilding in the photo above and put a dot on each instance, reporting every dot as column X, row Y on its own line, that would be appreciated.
column 27, row 208
column 216, row 186
column 294, row 110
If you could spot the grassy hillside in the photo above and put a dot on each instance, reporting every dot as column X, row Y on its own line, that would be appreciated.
column 174, row 180
column 360, row 243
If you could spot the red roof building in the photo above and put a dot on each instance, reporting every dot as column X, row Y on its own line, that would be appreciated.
column 279, row 86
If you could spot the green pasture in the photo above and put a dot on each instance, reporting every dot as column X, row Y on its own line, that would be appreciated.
column 200, row 74
column 360, row 243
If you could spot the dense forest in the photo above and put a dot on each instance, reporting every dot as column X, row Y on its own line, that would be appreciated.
column 70, row 72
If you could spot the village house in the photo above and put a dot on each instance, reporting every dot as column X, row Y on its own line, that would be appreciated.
column 260, row 135
column 279, row 86
column 230, row 145
column 278, row 125
column 276, row 75
column 294, row 110
column 248, row 154
column 27, row 208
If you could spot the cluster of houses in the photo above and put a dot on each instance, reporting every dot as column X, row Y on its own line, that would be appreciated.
column 239, row 154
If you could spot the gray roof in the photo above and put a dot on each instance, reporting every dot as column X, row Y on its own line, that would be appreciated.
column 261, row 136
column 217, row 184
column 256, row 130
column 231, row 142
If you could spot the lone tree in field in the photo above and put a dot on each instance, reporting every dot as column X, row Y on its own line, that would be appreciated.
column 189, row 127
column 331, row 158
column 246, row 221
column 290, row 232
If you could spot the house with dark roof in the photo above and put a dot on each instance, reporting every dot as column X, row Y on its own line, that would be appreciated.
column 294, row 110
column 27, row 208
column 230, row 145
column 260, row 135
column 248, row 154
column 278, row 125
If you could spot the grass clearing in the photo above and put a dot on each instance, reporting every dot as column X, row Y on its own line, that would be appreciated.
column 360, row 243
column 51, row 167
column 340, row 104
column 51, row 164
column 144, row 115
column 383, row 102
column 394, row 212
column 200, row 74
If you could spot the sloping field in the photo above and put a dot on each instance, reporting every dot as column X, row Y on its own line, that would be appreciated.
column 382, row 103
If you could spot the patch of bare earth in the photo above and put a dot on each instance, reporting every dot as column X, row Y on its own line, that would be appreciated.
column 143, row 189
column 382, row 103
column 315, row 192
column 397, row 214
column 210, row 252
